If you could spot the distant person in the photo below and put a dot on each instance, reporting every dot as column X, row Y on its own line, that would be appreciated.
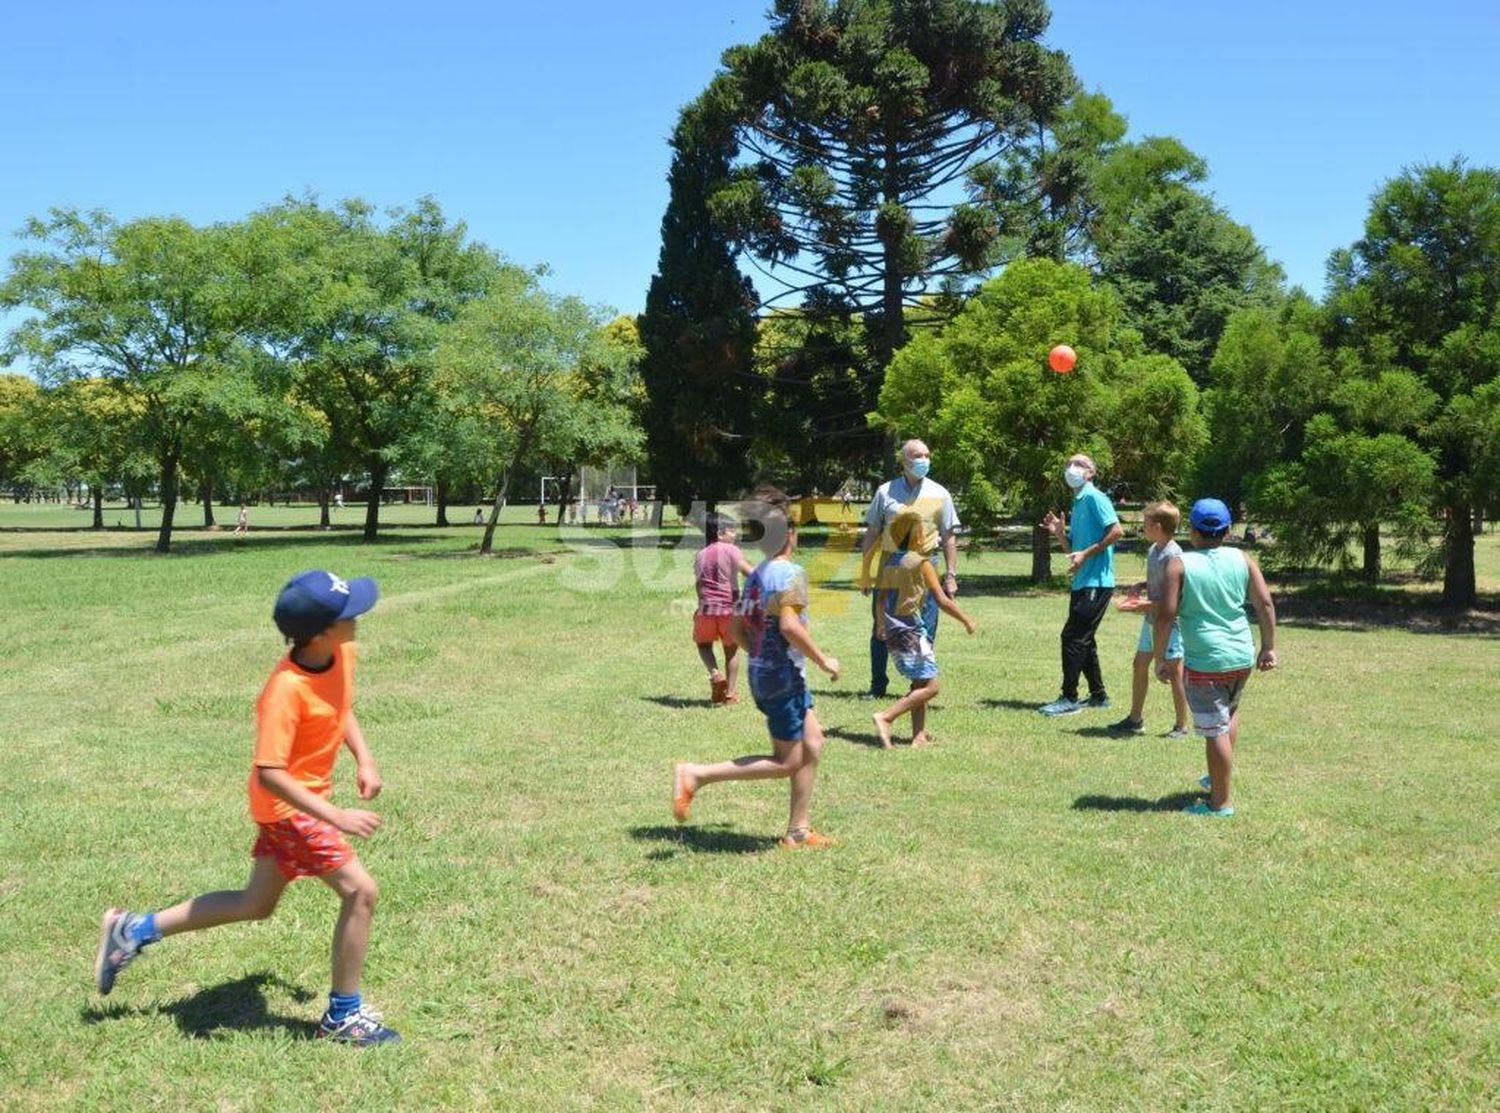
column 242, row 524
column 304, row 716
column 913, row 489
column 907, row 581
column 1160, row 528
column 771, row 625
column 541, row 514
column 1088, row 536
column 479, row 515
column 1205, row 593
column 338, row 500
column 716, row 572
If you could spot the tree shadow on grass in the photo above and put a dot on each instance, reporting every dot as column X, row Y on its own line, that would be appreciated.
column 189, row 546
column 718, row 838
column 237, row 1006
column 1174, row 802
column 678, row 702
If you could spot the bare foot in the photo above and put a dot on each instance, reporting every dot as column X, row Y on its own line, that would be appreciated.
column 922, row 738
column 683, row 787
column 883, row 729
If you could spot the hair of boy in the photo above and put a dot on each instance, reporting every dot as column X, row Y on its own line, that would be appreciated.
column 1164, row 514
column 906, row 528
column 767, row 518
column 716, row 525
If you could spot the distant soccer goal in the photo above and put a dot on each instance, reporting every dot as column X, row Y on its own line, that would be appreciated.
column 614, row 495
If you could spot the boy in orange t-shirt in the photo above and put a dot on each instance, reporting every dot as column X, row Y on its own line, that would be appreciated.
column 304, row 714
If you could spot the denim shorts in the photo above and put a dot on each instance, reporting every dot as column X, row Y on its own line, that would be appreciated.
column 1148, row 641
column 785, row 711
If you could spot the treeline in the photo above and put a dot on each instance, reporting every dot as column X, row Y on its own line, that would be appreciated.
column 300, row 345
column 876, row 165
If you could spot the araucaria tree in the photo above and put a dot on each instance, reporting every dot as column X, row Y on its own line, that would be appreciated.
column 857, row 125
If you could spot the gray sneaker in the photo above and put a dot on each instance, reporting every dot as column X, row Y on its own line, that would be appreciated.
column 117, row 947
column 1127, row 725
column 1177, row 733
column 1062, row 705
column 1095, row 703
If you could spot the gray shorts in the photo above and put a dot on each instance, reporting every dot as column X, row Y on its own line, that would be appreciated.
column 1213, row 699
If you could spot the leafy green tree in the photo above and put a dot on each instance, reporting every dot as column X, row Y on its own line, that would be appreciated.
column 358, row 310
column 18, row 437
column 980, row 394
column 1269, row 376
column 1067, row 186
column 1426, row 276
column 514, row 378
column 697, row 332
column 156, row 305
column 1182, row 268
column 91, row 428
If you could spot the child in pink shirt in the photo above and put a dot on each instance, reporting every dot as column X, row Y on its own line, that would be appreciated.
column 717, row 568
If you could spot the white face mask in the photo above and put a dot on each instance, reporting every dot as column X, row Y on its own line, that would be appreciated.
column 1074, row 476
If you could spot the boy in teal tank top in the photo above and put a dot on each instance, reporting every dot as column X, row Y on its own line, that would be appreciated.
column 1205, row 594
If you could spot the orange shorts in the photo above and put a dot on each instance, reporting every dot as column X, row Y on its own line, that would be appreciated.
column 710, row 628
column 303, row 846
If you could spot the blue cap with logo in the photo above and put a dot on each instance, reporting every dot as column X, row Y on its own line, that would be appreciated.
column 1209, row 516
column 313, row 601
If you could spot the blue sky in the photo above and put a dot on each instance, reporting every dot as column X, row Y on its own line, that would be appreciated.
column 544, row 125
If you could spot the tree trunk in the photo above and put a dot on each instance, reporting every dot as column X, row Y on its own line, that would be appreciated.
column 206, row 496
column 378, row 471
column 488, row 543
column 442, row 502
column 1041, row 556
column 1479, row 523
column 324, row 521
column 1372, row 553
column 169, row 502
column 97, row 491
column 1458, row 575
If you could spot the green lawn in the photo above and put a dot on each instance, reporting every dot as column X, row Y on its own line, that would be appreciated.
column 1018, row 917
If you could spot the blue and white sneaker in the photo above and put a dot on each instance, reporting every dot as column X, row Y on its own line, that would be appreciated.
column 1062, row 705
column 361, row 1028
column 1203, row 807
column 117, row 947
column 1096, row 702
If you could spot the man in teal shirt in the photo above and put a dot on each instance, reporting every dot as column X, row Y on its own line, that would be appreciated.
column 1088, row 537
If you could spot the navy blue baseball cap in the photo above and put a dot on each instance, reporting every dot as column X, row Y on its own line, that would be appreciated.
column 1209, row 516
column 313, row 601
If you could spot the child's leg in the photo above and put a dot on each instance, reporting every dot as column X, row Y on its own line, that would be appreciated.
column 706, row 655
column 1140, row 681
column 1179, row 695
column 732, row 666
column 919, row 735
column 351, row 936
column 1220, row 752
column 803, row 758
column 255, row 901
column 914, row 701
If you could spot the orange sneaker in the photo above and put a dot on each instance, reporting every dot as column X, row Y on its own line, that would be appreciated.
column 809, row 838
column 718, row 688
column 682, row 798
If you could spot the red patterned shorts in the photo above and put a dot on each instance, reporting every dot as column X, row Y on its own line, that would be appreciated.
column 303, row 846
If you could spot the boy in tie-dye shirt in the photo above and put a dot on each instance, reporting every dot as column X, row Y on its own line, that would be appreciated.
column 770, row 624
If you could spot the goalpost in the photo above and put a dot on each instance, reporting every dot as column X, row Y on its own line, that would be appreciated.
column 605, row 494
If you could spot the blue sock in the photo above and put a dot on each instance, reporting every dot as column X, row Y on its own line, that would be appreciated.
column 341, row 1005
column 143, row 929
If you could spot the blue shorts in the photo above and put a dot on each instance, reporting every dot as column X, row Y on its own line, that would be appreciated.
column 785, row 711
column 1148, row 641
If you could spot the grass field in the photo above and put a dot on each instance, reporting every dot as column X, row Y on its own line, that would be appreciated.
column 1016, row 918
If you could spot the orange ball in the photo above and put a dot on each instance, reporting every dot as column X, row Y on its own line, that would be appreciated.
column 1061, row 359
